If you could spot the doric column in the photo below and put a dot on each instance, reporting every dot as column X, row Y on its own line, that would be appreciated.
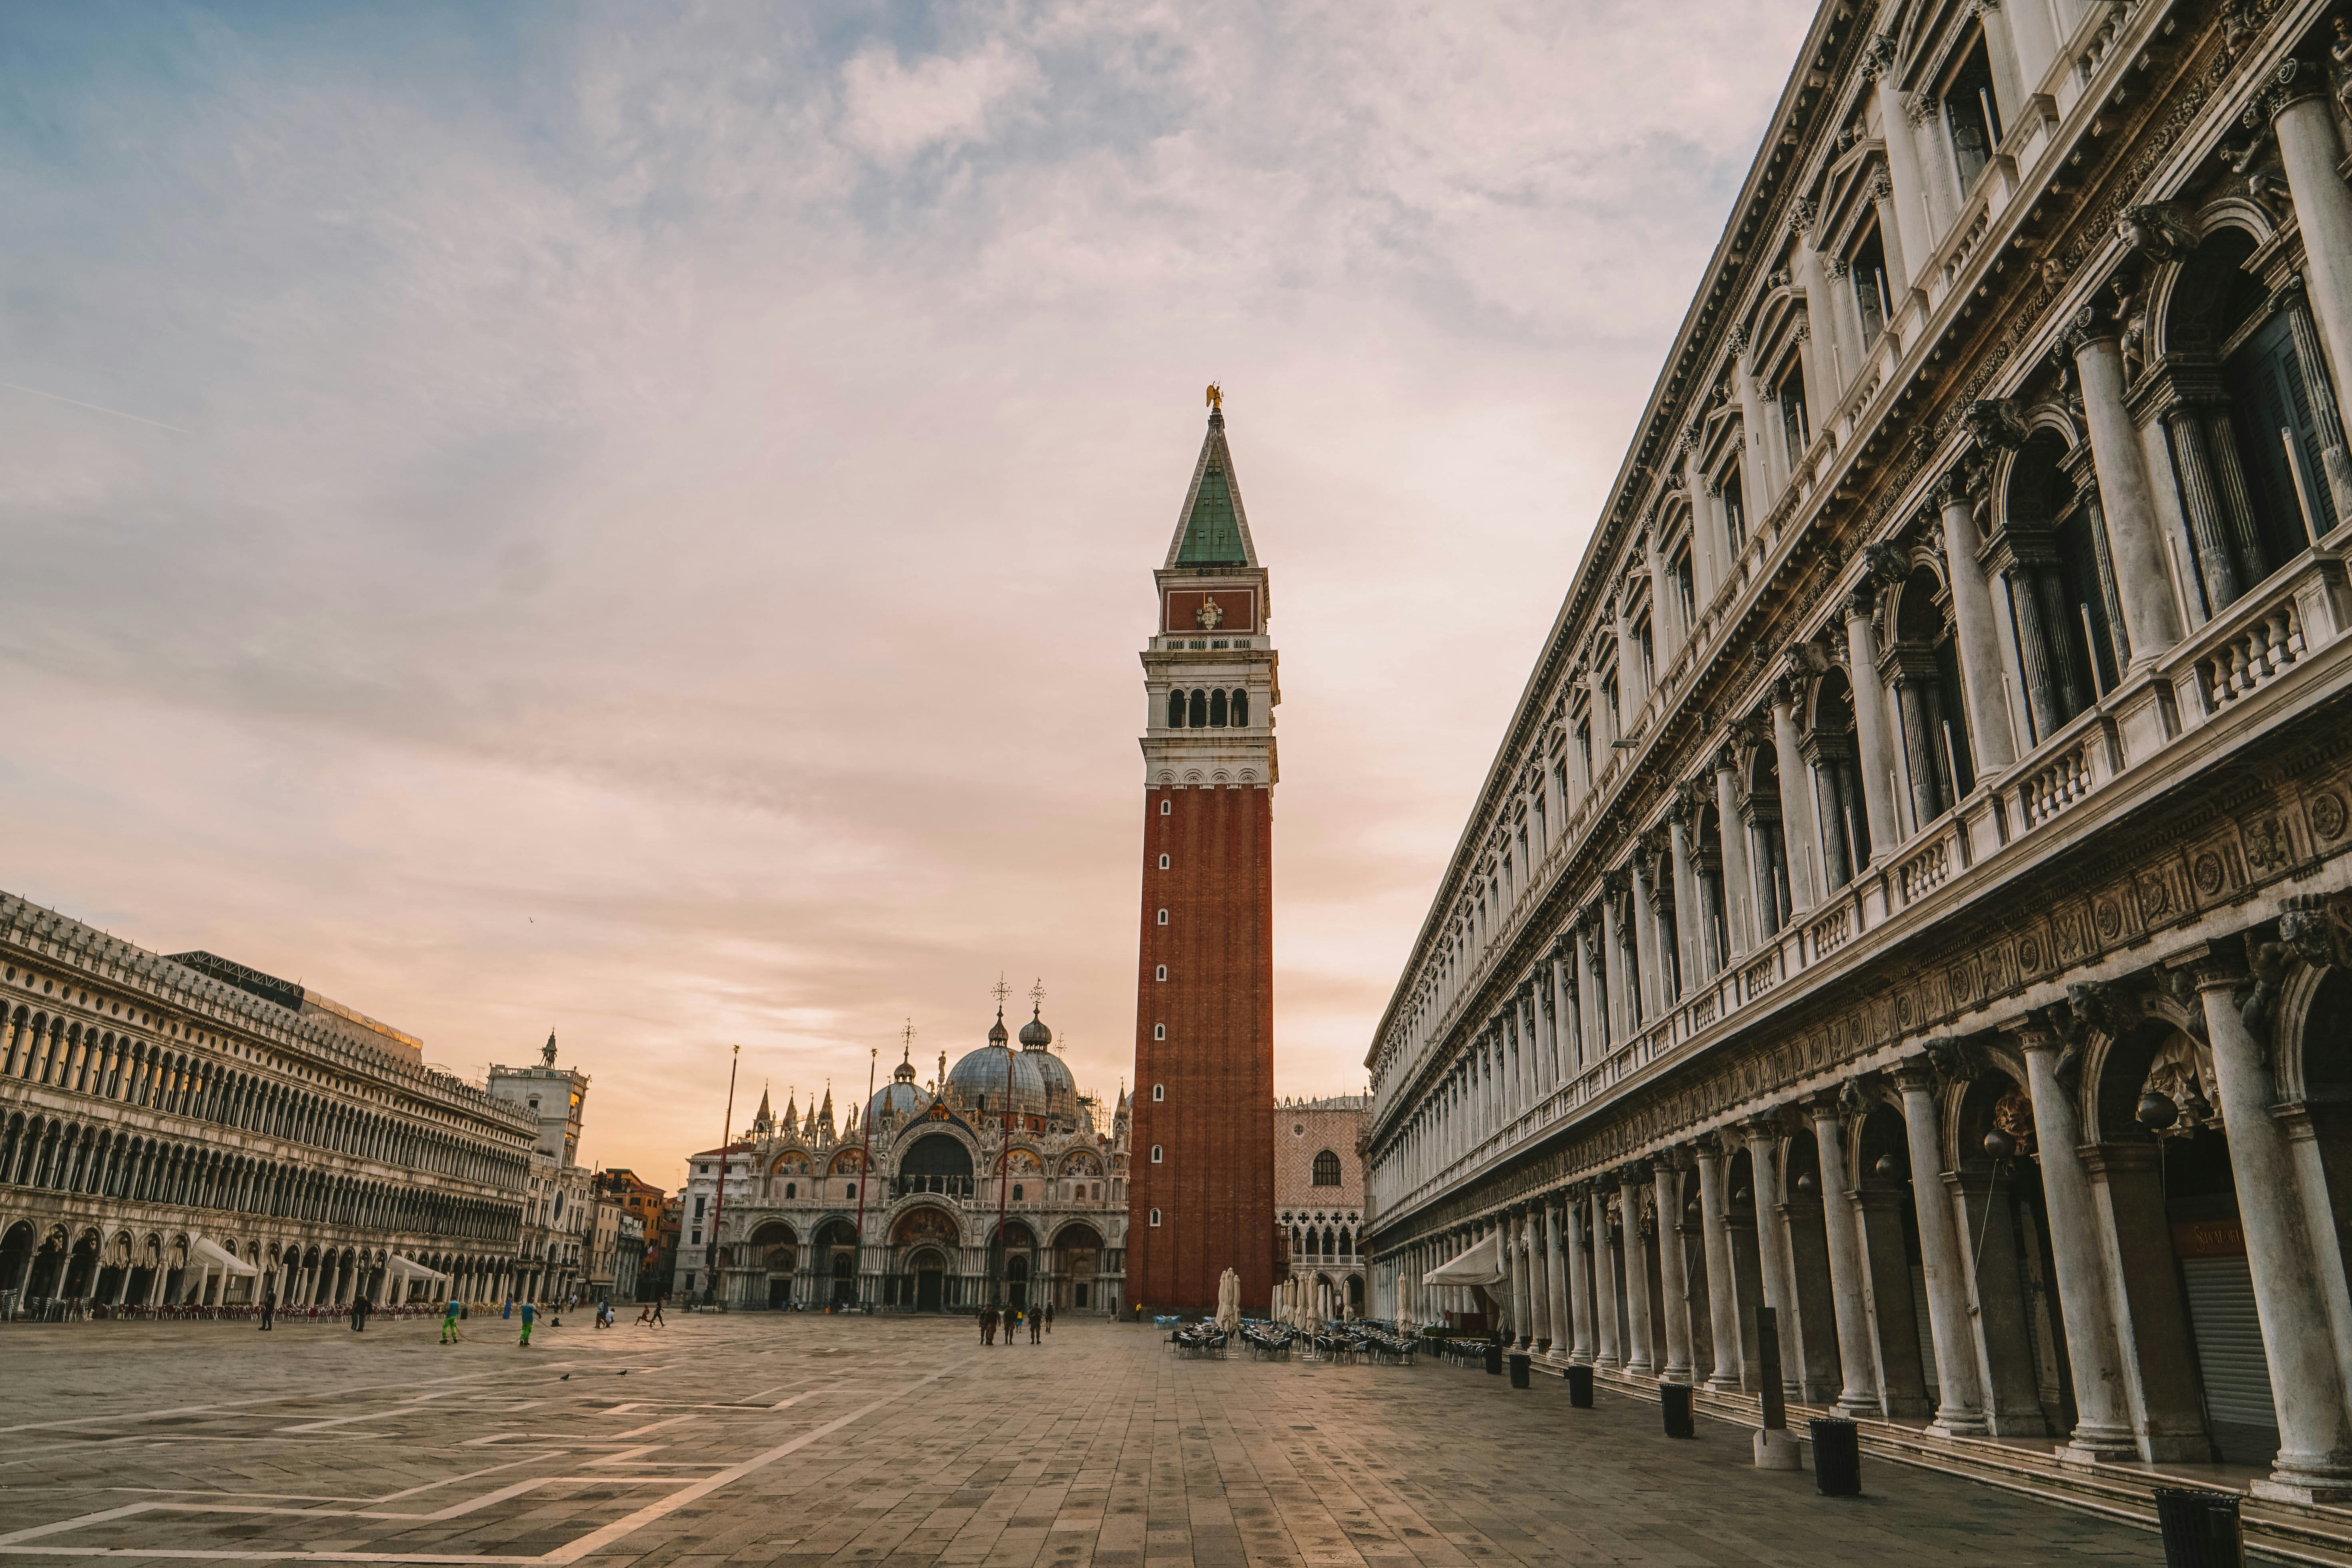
column 1555, row 1280
column 2315, row 1454
column 1763, row 1136
column 1800, row 831
column 1858, row 1391
column 1531, row 1247
column 1976, row 634
column 1674, row 1290
column 2128, row 501
column 1640, row 1360
column 1579, row 1281
column 1739, row 885
column 1610, row 1354
column 1722, row 1295
column 2103, row 1426
column 1515, row 1245
column 1961, row 1412
column 2311, row 153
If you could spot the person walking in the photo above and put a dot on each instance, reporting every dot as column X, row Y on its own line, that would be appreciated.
column 657, row 1310
column 988, row 1325
column 1011, row 1322
column 359, row 1314
column 269, row 1309
column 1036, row 1326
column 449, row 1323
column 1049, row 1316
column 530, row 1316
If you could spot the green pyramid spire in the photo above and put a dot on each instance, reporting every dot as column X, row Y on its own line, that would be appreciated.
column 1215, row 530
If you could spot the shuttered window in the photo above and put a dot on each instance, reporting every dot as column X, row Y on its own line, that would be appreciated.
column 2229, row 1353
column 2271, row 407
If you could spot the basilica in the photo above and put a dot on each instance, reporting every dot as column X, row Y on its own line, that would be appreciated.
column 995, row 1183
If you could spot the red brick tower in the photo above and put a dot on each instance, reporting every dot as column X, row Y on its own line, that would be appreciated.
column 1201, row 1193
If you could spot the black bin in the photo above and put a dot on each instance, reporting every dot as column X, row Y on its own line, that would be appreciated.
column 1675, row 1403
column 2200, row 1527
column 1495, row 1358
column 1519, row 1366
column 1837, row 1458
column 1580, row 1387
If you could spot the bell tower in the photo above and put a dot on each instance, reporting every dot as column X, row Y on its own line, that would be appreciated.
column 1201, row 1188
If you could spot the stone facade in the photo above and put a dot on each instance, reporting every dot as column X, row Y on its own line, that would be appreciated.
column 1001, row 1143
column 1203, row 1197
column 168, row 1135
column 560, row 1254
column 1319, row 1197
column 1912, row 892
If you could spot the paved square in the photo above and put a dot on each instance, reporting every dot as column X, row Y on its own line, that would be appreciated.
column 898, row 1443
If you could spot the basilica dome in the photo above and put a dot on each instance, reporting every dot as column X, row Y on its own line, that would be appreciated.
column 996, row 1080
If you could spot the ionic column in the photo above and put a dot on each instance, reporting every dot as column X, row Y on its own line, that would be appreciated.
column 1978, row 637
column 1961, row 1412
column 2311, row 153
column 2315, row 1454
column 2128, row 500
column 2103, row 1426
column 1738, row 885
column 1639, row 1360
column 1515, row 1245
column 1722, row 1294
column 1672, row 1289
column 1763, row 1136
column 1858, row 1391
column 1580, row 1282
column 1604, row 1283
column 1800, row 833
column 1556, row 1281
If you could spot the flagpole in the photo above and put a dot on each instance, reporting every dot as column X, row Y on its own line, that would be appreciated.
column 713, row 1292
column 866, row 1161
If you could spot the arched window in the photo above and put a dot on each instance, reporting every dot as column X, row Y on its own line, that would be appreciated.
column 1175, row 709
column 1200, row 712
column 1155, row 1154
column 1240, row 708
column 1217, row 708
column 1327, row 1169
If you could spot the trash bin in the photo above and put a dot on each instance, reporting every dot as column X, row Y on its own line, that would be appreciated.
column 1580, row 1387
column 1837, row 1457
column 2200, row 1527
column 1675, row 1402
column 1519, row 1366
column 1493, row 1358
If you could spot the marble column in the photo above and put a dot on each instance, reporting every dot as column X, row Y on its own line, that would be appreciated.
column 2315, row 1454
column 1763, row 1136
column 1738, row 885
column 1580, row 1282
column 2126, row 498
column 1640, row 1360
column 2103, row 1426
column 1722, row 1295
column 2310, row 151
column 1800, row 827
column 1515, row 1245
column 1689, row 919
column 1591, row 990
column 1961, row 1410
column 1621, row 1012
column 1531, row 1247
column 1665, row 612
column 1858, row 1388
column 1673, row 1289
column 1604, row 1284
column 1556, row 1281
column 1976, row 634
column 1656, row 994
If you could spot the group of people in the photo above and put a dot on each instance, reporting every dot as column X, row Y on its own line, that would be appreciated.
column 1040, row 1318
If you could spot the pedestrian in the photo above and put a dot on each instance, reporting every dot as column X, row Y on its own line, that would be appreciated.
column 449, row 1323
column 507, row 1311
column 269, row 1309
column 645, row 1315
column 1037, row 1325
column 359, row 1314
column 1011, row 1322
column 988, row 1325
column 530, row 1315
column 1049, row 1316
column 659, row 1302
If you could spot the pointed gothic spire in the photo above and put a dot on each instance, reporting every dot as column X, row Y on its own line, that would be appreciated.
column 792, row 1113
column 1212, row 530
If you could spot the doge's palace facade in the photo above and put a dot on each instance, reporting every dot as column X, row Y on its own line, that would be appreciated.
column 1912, row 892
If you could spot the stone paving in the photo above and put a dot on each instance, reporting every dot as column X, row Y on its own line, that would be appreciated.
column 900, row 1443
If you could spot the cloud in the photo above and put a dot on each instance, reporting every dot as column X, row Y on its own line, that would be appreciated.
column 662, row 511
column 891, row 110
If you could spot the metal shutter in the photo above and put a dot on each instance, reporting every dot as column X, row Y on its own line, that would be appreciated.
column 2230, row 1351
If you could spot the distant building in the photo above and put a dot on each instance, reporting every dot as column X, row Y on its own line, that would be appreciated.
column 628, row 1258
column 559, row 1224
column 1318, row 1196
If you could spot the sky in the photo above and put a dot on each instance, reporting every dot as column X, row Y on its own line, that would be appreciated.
column 639, row 520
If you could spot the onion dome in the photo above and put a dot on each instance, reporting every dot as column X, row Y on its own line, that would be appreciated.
column 899, row 1097
column 1035, row 1034
column 996, row 1035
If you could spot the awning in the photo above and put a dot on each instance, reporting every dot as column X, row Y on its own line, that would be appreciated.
column 204, row 1254
column 1482, row 1265
column 396, row 1265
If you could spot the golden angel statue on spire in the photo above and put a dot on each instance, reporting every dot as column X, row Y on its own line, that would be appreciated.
column 1216, row 397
